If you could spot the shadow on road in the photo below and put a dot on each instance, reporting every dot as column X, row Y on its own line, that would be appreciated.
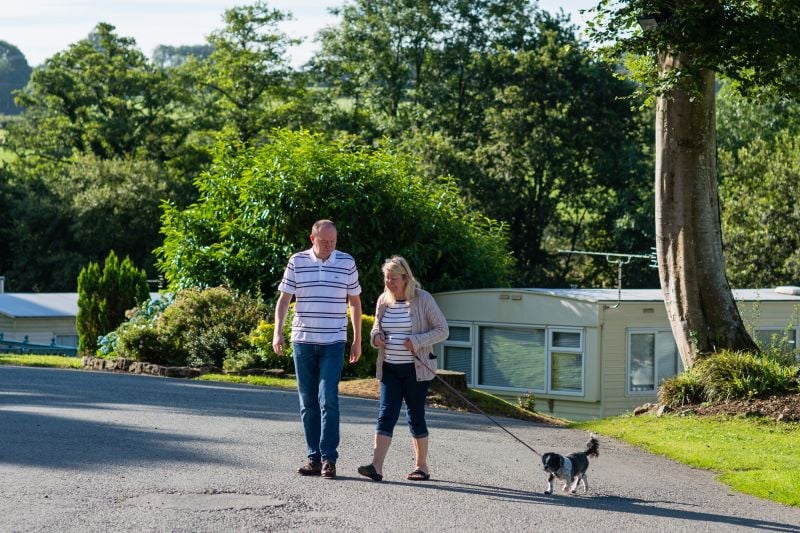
column 605, row 503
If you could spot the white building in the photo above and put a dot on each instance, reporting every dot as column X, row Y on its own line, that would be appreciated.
column 584, row 353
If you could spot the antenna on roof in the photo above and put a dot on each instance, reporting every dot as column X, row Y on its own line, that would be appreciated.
column 619, row 260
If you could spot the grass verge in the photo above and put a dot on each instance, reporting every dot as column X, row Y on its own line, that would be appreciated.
column 55, row 361
column 751, row 455
column 261, row 381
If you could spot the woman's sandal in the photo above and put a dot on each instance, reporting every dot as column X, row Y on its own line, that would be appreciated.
column 370, row 472
column 418, row 475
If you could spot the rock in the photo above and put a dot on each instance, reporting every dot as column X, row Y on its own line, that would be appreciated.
column 663, row 409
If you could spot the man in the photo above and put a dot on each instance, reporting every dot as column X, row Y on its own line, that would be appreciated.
column 323, row 281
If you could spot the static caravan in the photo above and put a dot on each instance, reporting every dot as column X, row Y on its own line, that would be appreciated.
column 39, row 318
column 584, row 353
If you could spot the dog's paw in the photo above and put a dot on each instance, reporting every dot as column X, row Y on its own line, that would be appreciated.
column 548, row 492
column 573, row 491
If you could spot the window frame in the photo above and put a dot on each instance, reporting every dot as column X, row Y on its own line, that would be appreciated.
column 629, row 332
column 461, row 344
column 476, row 335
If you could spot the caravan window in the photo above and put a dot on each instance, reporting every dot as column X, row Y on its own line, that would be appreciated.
column 652, row 358
column 457, row 350
column 539, row 359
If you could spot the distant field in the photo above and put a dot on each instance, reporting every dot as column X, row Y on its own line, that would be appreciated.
column 5, row 155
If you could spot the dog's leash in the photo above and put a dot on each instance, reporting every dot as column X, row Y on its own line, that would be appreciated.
column 481, row 411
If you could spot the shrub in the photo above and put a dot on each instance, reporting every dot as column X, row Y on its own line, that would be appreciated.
column 144, row 316
column 682, row 389
column 527, row 402
column 256, row 207
column 104, row 297
column 141, row 342
column 732, row 375
column 264, row 357
column 195, row 328
column 202, row 327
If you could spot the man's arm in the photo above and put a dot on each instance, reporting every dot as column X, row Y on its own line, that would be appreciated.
column 355, row 318
column 281, row 310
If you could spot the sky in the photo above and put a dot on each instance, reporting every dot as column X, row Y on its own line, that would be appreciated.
column 40, row 28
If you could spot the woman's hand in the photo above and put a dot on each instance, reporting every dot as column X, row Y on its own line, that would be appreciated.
column 379, row 340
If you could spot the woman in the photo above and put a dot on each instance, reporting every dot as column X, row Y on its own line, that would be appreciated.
column 407, row 325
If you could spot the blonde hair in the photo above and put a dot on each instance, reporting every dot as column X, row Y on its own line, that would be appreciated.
column 399, row 266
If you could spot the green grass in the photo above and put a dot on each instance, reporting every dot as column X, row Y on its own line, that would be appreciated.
column 754, row 456
column 263, row 381
column 57, row 361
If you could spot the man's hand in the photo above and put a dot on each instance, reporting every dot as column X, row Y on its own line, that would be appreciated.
column 355, row 351
column 277, row 343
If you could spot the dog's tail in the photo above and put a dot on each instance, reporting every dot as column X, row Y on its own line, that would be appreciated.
column 592, row 446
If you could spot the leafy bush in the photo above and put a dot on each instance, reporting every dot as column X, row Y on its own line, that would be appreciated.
column 195, row 328
column 143, row 317
column 104, row 297
column 202, row 327
column 257, row 206
column 729, row 375
column 262, row 355
column 682, row 389
column 527, row 402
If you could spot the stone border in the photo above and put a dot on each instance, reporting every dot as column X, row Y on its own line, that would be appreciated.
column 121, row 364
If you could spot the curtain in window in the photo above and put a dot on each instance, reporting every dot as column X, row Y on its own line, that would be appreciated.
column 512, row 357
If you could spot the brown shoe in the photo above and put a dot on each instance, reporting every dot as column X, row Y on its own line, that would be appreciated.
column 313, row 468
column 328, row 470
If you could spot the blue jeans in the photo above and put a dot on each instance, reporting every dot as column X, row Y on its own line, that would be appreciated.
column 398, row 383
column 319, row 368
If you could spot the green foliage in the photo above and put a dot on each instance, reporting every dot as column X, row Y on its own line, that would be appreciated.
column 202, row 327
column 244, row 85
column 758, row 190
column 263, row 356
column 731, row 375
column 257, row 207
column 682, row 389
column 104, row 297
column 199, row 328
column 753, row 43
column 490, row 92
column 527, row 401
column 100, row 97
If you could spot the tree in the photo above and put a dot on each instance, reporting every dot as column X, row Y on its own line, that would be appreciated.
column 257, row 206
column 14, row 75
column 104, row 296
column 98, row 97
column 759, row 190
column 165, row 56
column 491, row 92
column 754, row 43
column 246, row 84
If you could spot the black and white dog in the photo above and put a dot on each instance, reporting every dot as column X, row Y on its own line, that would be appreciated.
column 570, row 469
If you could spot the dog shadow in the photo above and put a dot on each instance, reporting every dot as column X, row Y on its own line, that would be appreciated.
column 594, row 501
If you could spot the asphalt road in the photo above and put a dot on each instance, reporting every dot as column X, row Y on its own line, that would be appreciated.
column 84, row 451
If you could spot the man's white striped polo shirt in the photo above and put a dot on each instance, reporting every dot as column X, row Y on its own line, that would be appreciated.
column 320, row 289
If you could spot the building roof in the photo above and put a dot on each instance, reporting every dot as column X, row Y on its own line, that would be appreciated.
column 39, row 304
column 786, row 294
column 42, row 304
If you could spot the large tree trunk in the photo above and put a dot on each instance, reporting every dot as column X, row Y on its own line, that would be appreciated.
column 698, row 298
